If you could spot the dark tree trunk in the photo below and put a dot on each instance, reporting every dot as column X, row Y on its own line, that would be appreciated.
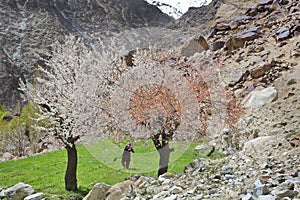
column 164, row 153
column 164, row 157
column 70, row 176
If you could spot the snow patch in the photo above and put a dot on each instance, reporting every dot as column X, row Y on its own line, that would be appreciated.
column 176, row 8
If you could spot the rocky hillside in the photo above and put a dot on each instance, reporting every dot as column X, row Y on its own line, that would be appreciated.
column 28, row 28
column 260, row 47
column 258, row 44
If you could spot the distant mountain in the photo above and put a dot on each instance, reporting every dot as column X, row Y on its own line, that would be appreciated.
column 176, row 8
column 29, row 27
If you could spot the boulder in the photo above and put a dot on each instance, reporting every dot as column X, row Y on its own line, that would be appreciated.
column 18, row 191
column 98, row 192
column 256, row 143
column 36, row 196
column 193, row 46
column 258, row 98
column 119, row 190
column 261, row 69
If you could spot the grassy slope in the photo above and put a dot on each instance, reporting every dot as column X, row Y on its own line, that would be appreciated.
column 45, row 172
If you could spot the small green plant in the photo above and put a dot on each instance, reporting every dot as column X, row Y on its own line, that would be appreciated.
column 217, row 155
column 290, row 134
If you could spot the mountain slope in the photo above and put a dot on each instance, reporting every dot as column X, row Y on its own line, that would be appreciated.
column 29, row 27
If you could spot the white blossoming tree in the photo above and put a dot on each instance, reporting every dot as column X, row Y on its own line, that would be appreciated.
column 69, row 89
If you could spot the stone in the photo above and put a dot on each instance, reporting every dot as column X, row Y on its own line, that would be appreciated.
column 262, row 69
column 36, row 196
column 283, row 33
column 256, row 143
column 240, row 78
column 222, row 26
column 166, row 175
column 18, row 191
column 258, row 98
column 217, row 45
column 172, row 197
column 6, row 156
column 119, row 190
column 230, row 177
column 260, row 189
column 98, row 192
column 291, row 81
column 202, row 41
column 248, row 196
column 213, row 191
column 287, row 193
column 238, row 40
column 227, row 170
column 295, row 140
column 175, row 190
column 160, row 195
column 265, row 2
column 234, row 43
column 266, row 197
column 247, row 35
column 194, row 46
column 2, row 195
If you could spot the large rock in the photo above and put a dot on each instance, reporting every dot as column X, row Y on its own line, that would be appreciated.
column 256, row 143
column 258, row 98
column 18, row 191
column 98, row 192
column 119, row 190
column 261, row 69
column 193, row 46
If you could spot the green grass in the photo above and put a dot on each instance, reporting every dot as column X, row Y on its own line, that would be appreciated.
column 96, row 163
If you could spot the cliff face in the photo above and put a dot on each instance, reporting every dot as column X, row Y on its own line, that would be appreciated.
column 27, row 29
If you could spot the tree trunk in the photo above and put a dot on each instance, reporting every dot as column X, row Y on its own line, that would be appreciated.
column 70, row 176
column 164, row 156
column 164, row 153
